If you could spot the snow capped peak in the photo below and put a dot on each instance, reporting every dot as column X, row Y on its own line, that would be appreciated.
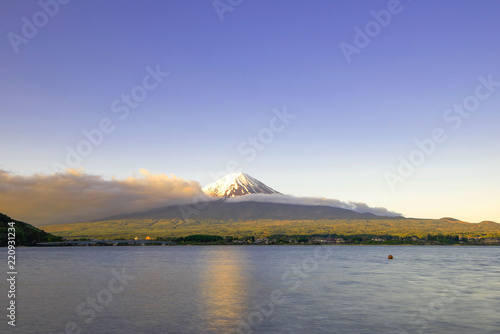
column 238, row 184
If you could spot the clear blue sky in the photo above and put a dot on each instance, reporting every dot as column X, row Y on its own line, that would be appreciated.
column 352, row 120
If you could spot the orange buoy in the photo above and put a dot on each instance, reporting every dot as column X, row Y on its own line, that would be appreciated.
column 390, row 257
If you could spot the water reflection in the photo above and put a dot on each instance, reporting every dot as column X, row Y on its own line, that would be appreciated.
column 223, row 286
column 209, row 289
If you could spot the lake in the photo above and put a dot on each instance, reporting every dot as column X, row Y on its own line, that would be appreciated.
column 256, row 289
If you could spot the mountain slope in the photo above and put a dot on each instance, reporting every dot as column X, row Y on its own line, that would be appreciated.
column 238, row 184
column 244, row 211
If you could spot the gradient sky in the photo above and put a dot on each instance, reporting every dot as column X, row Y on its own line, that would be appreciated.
column 352, row 120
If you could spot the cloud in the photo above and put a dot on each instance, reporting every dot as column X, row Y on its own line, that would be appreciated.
column 75, row 196
column 288, row 199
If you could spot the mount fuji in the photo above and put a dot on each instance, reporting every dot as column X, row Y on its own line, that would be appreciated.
column 240, row 205
column 238, row 184
column 239, row 196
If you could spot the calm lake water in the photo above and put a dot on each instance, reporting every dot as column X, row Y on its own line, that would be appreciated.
column 256, row 289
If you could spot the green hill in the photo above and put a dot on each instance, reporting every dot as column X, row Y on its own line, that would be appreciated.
column 26, row 234
column 131, row 228
column 260, row 219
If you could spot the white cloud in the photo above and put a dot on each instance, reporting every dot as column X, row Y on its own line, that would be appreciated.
column 288, row 199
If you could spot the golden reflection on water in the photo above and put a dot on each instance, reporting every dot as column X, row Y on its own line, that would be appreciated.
column 223, row 285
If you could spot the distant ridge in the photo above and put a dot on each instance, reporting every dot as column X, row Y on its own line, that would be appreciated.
column 450, row 219
column 484, row 222
column 488, row 222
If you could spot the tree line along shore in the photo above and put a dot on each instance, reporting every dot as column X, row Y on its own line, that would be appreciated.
column 28, row 235
column 203, row 239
